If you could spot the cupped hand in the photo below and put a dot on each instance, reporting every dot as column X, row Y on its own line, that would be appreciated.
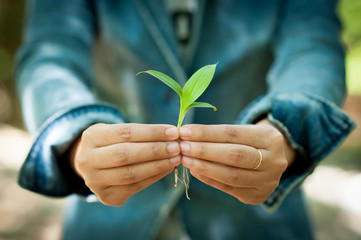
column 119, row 160
column 225, row 157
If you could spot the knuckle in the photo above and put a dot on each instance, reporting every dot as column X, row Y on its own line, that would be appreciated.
column 125, row 132
column 202, row 150
column 235, row 155
column 92, row 129
column 202, row 131
column 121, row 155
column 275, row 136
column 81, row 162
column 90, row 134
column 156, row 150
column 231, row 133
column 278, row 137
column 234, row 178
column 127, row 175
column 109, row 199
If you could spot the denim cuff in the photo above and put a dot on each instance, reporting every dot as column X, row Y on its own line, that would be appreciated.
column 313, row 126
column 46, row 170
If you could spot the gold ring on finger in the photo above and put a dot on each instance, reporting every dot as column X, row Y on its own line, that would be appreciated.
column 260, row 160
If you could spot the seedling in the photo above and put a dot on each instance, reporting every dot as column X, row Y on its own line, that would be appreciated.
column 191, row 91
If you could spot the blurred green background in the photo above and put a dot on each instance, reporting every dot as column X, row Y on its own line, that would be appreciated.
column 333, row 192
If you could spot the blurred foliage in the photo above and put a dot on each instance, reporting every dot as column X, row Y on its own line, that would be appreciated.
column 11, row 21
column 350, row 14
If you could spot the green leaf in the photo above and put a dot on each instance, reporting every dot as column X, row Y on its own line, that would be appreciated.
column 165, row 79
column 202, row 105
column 197, row 84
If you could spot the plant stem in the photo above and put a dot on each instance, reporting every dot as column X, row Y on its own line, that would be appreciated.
column 185, row 170
column 176, row 168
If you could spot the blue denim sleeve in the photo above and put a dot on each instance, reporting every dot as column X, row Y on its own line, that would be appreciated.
column 54, row 82
column 306, row 87
column 46, row 169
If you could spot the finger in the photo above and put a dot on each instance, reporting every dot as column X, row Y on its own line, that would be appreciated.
column 236, row 155
column 252, row 135
column 129, row 153
column 114, row 195
column 106, row 134
column 245, row 195
column 229, row 175
column 136, row 172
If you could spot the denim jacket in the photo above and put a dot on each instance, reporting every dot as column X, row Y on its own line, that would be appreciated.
column 277, row 59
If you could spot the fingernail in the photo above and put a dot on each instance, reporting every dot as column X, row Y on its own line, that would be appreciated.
column 185, row 132
column 187, row 160
column 175, row 160
column 172, row 132
column 173, row 147
column 185, row 147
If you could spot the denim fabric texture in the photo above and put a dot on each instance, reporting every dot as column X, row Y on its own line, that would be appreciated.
column 277, row 59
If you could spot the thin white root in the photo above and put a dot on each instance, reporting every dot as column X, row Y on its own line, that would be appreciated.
column 175, row 176
column 186, row 181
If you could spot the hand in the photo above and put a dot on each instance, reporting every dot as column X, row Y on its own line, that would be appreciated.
column 223, row 157
column 118, row 160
